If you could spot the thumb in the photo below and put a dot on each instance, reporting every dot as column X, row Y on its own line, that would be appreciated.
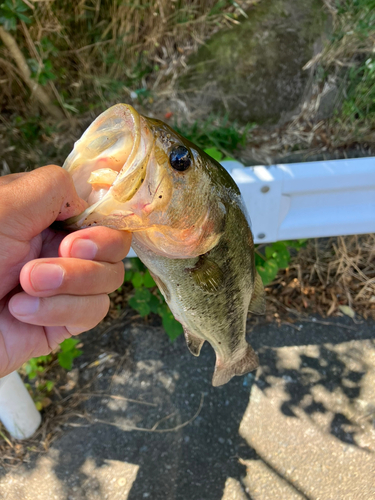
column 30, row 203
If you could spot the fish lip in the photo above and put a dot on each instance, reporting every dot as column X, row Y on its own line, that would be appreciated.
column 141, row 132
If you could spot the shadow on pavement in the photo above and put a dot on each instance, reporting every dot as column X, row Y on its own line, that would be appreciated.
column 326, row 365
column 319, row 372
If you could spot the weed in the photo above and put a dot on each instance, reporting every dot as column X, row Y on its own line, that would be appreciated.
column 360, row 101
column 12, row 11
column 147, row 298
column 271, row 258
column 37, row 366
column 352, row 47
column 41, row 73
column 41, row 392
column 216, row 133
column 68, row 353
column 124, row 42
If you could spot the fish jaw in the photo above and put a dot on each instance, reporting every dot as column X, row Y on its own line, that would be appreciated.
column 108, row 165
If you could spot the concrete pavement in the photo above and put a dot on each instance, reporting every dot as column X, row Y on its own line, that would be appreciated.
column 303, row 428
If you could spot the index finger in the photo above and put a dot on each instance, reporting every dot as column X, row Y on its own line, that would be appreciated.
column 6, row 179
column 97, row 243
column 29, row 203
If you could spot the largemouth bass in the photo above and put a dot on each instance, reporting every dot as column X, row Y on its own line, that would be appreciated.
column 189, row 225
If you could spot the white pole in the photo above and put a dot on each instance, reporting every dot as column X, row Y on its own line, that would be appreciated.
column 17, row 410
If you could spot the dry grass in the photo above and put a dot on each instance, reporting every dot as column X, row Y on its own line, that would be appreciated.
column 325, row 276
column 351, row 40
column 98, row 48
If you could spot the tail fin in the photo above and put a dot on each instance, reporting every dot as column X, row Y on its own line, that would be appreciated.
column 224, row 372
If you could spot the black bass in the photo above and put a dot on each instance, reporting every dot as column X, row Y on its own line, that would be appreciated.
column 189, row 225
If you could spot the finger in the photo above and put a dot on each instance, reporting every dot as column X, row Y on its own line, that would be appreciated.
column 49, row 277
column 30, row 203
column 99, row 243
column 6, row 179
column 57, row 334
column 77, row 314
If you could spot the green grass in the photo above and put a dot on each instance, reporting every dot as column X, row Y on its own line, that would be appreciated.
column 215, row 133
column 352, row 47
column 359, row 104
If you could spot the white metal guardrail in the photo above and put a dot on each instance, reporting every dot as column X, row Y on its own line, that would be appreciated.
column 308, row 200
column 285, row 202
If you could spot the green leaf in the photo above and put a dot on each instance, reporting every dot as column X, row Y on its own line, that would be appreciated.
column 49, row 385
column 142, row 307
column 137, row 265
column 297, row 244
column 268, row 271
column 65, row 360
column 214, row 153
column 21, row 6
column 269, row 252
column 68, row 344
column 141, row 301
column 23, row 18
column 128, row 275
column 9, row 24
column 32, row 374
column 154, row 304
column 281, row 254
column 71, row 108
column 148, row 280
column 171, row 326
column 137, row 280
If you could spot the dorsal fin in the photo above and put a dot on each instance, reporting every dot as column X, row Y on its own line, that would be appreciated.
column 258, row 300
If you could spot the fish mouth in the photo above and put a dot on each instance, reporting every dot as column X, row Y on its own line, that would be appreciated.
column 108, row 163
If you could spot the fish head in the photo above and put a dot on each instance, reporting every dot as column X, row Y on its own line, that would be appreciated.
column 138, row 174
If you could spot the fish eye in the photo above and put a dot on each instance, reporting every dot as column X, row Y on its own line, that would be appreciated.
column 180, row 158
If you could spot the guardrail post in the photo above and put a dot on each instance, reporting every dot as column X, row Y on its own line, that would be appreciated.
column 17, row 409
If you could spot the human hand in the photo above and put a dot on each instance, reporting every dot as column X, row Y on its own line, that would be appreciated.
column 52, row 284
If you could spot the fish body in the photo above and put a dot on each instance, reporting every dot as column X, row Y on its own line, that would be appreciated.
column 189, row 225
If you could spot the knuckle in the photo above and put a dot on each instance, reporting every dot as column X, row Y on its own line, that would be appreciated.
column 57, row 172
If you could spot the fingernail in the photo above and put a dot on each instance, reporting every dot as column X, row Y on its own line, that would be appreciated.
column 84, row 249
column 24, row 305
column 46, row 277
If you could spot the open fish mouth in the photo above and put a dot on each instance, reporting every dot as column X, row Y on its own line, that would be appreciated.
column 108, row 163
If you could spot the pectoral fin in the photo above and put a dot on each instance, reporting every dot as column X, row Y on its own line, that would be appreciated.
column 225, row 371
column 258, row 300
column 194, row 343
column 207, row 275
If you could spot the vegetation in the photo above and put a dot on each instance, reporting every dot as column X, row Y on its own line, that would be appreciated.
column 147, row 299
column 217, row 136
column 88, row 53
column 36, row 370
column 350, row 57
